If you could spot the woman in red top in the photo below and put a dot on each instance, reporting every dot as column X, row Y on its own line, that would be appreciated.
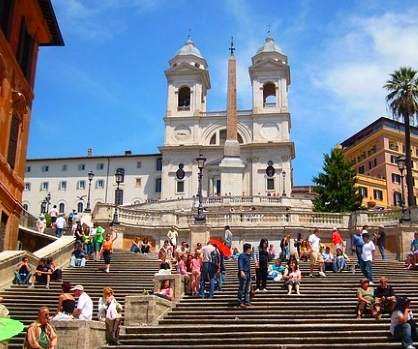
column 107, row 248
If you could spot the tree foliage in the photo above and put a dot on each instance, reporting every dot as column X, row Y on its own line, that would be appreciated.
column 336, row 186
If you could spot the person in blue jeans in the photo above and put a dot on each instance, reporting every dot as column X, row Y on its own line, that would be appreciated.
column 244, row 277
column 209, row 268
column 23, row 272
column 402, row 324
column 357, row 245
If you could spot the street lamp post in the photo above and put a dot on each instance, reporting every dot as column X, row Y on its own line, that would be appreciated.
column 284, row 183
column 200, row 218
column 43, row 206
column 48, row 201
column 90, row 176
column 118, row 179
column 401, row 168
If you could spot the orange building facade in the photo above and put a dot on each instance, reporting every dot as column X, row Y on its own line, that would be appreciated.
column 25, row 25
column 374, row 153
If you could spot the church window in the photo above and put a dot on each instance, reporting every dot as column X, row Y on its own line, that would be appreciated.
column 270, row 183
column 184, row 99
column 180, row 187
column 219, row 138
column 158, row 185
column 269, row 95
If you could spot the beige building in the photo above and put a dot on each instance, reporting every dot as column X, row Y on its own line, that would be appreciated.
column 374, row 153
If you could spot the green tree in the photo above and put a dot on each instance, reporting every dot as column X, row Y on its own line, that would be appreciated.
column 403, row 103
column 336, row 186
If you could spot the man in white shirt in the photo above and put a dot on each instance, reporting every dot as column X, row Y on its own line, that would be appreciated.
column 84, row 309
column 329, row 260
column 367, row 258
column 316, row 256
column 60, row 224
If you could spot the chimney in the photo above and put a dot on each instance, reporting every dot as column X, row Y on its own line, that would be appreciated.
column 128, row 152
column 89, row 152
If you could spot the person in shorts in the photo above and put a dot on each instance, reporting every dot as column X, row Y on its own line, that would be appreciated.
column 316, row 256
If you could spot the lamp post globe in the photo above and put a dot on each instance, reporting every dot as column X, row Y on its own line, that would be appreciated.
column 90, row 177
column 200, row 218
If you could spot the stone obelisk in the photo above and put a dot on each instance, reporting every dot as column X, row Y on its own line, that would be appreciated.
column 231, row 165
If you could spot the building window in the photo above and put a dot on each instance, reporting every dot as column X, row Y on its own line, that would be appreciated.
column 81, row 184
column 180, row 187
column 139, row 164
column 45, row 168
column 159, row 164
column 26, row 207
column 396, row 178
column 62, row 185
column 27, row 169
column 80, row 207
column 361, row 169
column 64, row 167
column 393, row 159
column 25, row 50
column 6, row 17
column 100, row 184
column 138, row 182
column 27, row 186
column 397, row 199
column 269, row 95
column 61, row 207
column 392, row 146
column 183, row 99
column 158, row 185
column 13, row 141
column 100, row 166
column 372, row 164
column 377, row 194
column 44, row 186
column 363, row 192
column 81, row 167
column 270, row 183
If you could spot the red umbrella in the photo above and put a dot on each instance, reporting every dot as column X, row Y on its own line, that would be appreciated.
column 221, row 247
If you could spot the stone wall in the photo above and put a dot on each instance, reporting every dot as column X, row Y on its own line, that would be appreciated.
column 80, row 334
column 145, row 310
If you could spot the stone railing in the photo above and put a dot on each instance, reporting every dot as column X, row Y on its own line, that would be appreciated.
column 259, row 215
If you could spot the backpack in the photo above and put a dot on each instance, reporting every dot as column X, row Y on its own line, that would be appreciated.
column 215, row 257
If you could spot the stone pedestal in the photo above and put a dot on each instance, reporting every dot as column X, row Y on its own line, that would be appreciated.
column 199, row 233
column 145, row 310
column 231, row 175
column 80, row 334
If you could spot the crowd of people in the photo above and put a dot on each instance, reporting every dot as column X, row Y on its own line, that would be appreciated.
column 205, row 265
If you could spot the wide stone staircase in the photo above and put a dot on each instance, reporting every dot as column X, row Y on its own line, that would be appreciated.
column 322, row 317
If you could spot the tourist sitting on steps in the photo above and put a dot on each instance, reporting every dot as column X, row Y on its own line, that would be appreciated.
column 165, row 263
column 329, row 260
column 146, row 247
column 42, row 274
column 165, row 290
column 56, row 272
column 136, row 246
column 411, row 257
column 78, row 258
column 292, row 278
column 365, row 297
column 384, row 298
column 23, row 272
column 66, row 303
column 402, row 323
column 341, row 260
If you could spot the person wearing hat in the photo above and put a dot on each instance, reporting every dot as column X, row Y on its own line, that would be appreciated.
column 380, row 240
column 365, row 297
column 402, row 324
column 41, row 223
column 84, row 310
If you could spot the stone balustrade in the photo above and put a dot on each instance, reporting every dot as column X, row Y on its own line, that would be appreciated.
column 261, row 215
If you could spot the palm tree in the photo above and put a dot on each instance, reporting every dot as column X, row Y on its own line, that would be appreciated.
column 403, row 103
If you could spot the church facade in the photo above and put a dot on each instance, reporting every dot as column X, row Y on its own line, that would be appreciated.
column 263, row 133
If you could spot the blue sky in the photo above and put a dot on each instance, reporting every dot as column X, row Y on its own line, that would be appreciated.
column 106, row 88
